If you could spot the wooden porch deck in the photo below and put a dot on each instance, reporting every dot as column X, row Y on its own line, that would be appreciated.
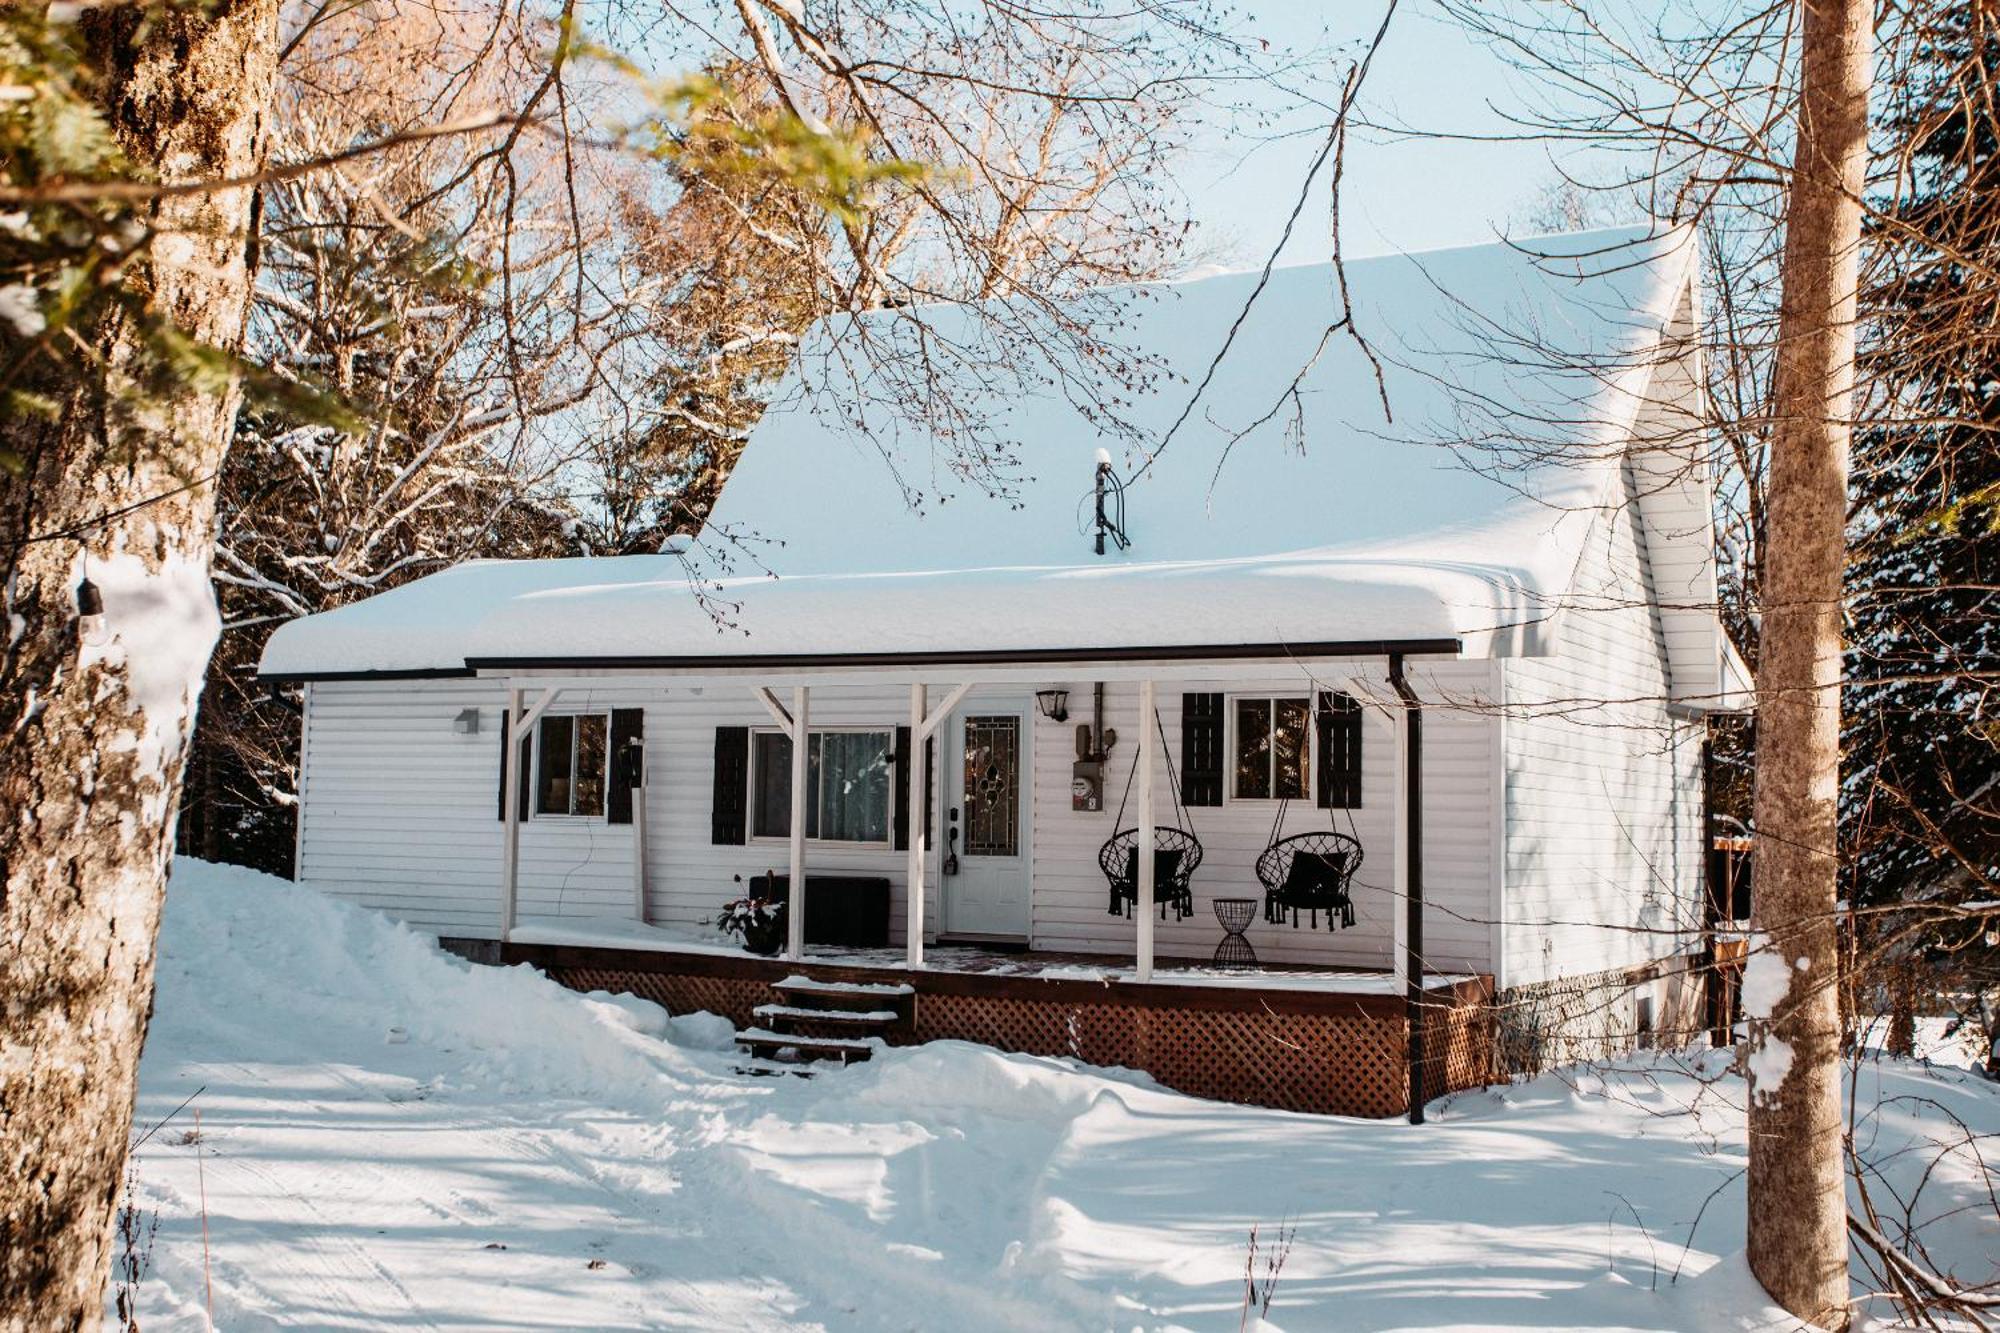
column 1319, row 1039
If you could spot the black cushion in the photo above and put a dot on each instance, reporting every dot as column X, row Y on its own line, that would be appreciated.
column 850, row 910
column 1166, row 865
column 1315, row 877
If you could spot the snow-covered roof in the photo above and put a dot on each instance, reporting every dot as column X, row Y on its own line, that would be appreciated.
column 1273, row 517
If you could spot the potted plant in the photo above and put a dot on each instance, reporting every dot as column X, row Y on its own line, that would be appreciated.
column 759, row 921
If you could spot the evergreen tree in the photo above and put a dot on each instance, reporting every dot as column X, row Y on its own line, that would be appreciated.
column 1923, row 723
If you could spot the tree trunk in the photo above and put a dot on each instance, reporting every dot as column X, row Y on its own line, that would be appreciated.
column 1902, row 1037
column 95, row 723
column 1797, row 1194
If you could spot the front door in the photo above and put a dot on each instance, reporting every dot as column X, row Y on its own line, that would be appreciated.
column 987, row 883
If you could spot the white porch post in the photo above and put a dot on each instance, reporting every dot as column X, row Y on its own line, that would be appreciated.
column 795, row 896
column 1144, row 906
column 913, row 917
column 923, row 726
column 510, row 804
column 519, row 724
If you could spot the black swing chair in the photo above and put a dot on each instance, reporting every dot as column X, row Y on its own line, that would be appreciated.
column 1309, row 872
column 1176, row 852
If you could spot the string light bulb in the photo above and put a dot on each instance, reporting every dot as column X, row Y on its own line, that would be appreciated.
column 90, row 624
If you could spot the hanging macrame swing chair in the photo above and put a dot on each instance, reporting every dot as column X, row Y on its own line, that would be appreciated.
column 1309, row 872
column 1176, row 851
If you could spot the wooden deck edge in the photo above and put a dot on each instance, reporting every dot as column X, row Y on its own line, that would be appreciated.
column 1051, row 990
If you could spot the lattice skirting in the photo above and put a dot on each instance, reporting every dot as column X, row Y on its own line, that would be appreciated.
column 1298, row 1062
column 1458, row 1046
column 732, row 997
column 1347, row 1063
column 1594, row 1016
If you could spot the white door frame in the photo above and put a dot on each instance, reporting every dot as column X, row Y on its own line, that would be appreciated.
column 950, row 793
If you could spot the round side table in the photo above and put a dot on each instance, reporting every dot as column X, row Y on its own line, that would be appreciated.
column 1234, row 916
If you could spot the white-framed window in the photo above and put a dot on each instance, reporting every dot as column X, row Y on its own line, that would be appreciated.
column 1270, row 747
column 850, row 784
column 572, row 760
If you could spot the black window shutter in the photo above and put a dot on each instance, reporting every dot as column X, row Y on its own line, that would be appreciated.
column 902, row 811
column 900, row 816
column 1201, row 749
column 732, row 785
column 1339, row 751
column 628, row 761
column 527, row 768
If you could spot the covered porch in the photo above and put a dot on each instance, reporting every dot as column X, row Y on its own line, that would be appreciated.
column 1123, row 970
column 1134, row 772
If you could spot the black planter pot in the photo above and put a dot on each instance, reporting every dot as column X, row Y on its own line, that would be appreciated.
column 766, row 938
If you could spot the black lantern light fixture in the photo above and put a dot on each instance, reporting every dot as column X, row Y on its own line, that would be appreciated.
column 1054, row 704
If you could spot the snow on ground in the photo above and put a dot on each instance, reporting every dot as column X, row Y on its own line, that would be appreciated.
column 393, row 1138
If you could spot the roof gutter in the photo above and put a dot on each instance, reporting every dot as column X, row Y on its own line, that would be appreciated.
column 946, row 657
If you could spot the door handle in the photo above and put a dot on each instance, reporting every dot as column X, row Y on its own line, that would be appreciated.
column 950, row 866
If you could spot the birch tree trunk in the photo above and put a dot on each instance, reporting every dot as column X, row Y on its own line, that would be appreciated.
column 93, row 721
column 1797, row 1191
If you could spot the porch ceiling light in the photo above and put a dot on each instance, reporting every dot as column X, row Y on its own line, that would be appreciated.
column 1054, row 704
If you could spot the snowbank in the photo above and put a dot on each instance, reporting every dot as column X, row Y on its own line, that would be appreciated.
column 392, row 1138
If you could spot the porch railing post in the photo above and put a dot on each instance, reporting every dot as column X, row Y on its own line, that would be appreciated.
column 1148, row 732
column 913, row 916
column 795, row 892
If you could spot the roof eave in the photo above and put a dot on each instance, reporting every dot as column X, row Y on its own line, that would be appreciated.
column 1011, row 657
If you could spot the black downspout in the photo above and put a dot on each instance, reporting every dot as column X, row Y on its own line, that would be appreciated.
column 1413, row 907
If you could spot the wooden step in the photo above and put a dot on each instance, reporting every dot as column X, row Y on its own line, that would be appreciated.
column 765, row 1044
column 799, row 1021
column 855, row 1017
column 829, row 996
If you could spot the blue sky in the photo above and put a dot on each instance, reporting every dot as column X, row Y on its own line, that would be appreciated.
column 1399, row 194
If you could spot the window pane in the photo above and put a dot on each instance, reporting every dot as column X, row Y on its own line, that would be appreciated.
column 1253, row 748
column 992, row 786
column 852, row 780
column 588, row 788
column 771, row 802
column 554, row 744
column 1293, row 761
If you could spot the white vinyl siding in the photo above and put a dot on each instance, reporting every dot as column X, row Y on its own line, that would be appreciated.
column 1604, row 802
column 1460, row 811
column 403, row 813
column 423, row 842
column 400, row 812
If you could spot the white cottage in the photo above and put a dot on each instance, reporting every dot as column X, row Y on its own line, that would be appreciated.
column 1468, row 679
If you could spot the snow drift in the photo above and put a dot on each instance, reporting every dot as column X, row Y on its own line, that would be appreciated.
column 393, row 1138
